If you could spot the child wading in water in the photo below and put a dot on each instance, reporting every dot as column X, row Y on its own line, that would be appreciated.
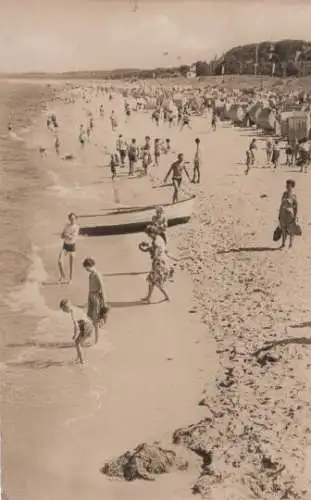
column 82, row 326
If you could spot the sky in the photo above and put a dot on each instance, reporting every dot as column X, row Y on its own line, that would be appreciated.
column 72, row 35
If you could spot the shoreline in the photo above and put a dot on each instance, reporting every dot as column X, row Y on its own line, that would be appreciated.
column 235, row 300
column 170, row 348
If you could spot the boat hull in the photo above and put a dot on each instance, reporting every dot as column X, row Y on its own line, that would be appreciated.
column 133, row 220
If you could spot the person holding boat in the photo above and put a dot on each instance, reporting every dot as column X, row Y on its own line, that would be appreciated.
column 161, row 270
column 160, row 222
column 178, row 168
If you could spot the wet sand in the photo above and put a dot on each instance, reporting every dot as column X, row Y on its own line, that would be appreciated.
column 233, row 293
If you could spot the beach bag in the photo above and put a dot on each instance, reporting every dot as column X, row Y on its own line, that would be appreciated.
column 103, row 315
column 277, row 234
column 297, row 230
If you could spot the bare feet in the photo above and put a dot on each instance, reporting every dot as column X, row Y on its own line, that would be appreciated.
column 146, row 300
column 80, row 361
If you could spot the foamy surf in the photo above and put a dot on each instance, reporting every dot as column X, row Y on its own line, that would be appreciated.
column 27, row 298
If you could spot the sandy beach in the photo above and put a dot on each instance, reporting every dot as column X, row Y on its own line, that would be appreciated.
column 159, row 369
column 70, row 410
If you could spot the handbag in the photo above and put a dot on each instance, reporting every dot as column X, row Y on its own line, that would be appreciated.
column 297, row 230
column 277, row 234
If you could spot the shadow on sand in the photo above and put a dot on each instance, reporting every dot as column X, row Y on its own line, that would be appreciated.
column 43, row 345
column 125, row 274
column 248, row 249
column 132, row 303
column 40, row 365
column 283, row 342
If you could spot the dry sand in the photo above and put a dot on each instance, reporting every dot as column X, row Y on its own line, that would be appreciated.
column 61, row 422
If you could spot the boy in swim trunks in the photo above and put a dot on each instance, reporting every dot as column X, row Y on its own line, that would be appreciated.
column 82, row 326
column 69, row 236
column 197, row 163
column 178, row 168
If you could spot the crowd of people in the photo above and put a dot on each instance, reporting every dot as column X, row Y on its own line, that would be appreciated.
column 297, row 154
column 128, row 153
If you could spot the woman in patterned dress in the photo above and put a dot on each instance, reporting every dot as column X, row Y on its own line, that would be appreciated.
column 160, row 270
column 288, row 213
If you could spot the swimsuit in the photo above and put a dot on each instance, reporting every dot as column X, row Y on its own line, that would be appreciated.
column 69, row 247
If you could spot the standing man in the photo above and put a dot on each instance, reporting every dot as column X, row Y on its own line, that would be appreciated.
column 177, row 169
column 113, row 121
column 133, row 156
column 197, row 163
column 121, row 147
column 69, row 236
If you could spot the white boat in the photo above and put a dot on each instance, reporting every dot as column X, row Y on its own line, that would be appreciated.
column 134, row 219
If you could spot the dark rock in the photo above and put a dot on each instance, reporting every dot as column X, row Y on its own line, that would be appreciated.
column 143, row 463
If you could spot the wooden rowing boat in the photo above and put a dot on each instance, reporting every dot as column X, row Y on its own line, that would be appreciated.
column 134, row 219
